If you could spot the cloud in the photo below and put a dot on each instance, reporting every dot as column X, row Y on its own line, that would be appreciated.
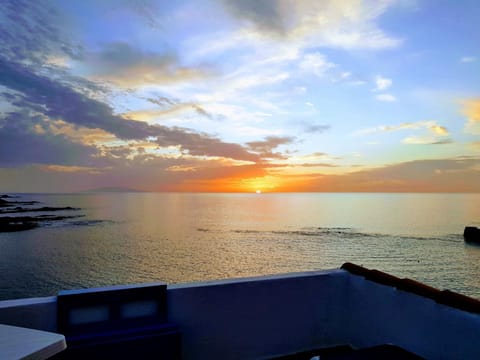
column 268, row 16
column 248, row 81
column 70, row 169
column 316, row 128
column 431, row 125
column 183, row 174
column 201, row 111
column 142, row 172
column 316, row 165
column 168, row 107
column 316, row 63
column 343, row 24
column 382, row 83
column 438, row 130
column 128, row 66
column 436, row 134
column 471, row 109
column 79, row 135
column 55, row 100
column 386, row 97
column 265, row 148
column 146, row 9
column 426, row 140
column 317, row 155
column 21, row 145
column 270, row 143
column 316, row 159
column 162, row 101
column 441, row 175
column 468, row 59
column 30, row 32
column 372, row 39
column 300, row 90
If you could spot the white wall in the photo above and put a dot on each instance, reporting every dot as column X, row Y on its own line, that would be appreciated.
column 34, row 313
column 259, row 317
column 381, row 314
column 274, row 315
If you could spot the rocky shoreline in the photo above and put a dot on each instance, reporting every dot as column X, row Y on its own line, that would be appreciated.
column 8, row 205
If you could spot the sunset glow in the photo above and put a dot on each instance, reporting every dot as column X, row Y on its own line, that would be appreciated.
column 240, row 96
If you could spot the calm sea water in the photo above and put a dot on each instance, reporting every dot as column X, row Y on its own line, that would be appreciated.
column 143, row 237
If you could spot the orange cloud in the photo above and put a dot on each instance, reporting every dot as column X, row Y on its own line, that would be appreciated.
column 435, row 134
column 70, row 169
column 443, row 175
column 77, row 134
column 432, row 126
column 195, row 175
column 439, row 130
column 471, row 108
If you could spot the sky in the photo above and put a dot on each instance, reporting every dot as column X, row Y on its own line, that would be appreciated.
column 240, row 96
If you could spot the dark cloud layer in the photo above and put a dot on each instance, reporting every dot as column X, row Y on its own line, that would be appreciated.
column 123, row 56
column 128, row 66
column 29, row 32
column 265, row 148
column 266, row 15
column 33, row 34
column 56, row 100
column 21, row 145
column 60, row 101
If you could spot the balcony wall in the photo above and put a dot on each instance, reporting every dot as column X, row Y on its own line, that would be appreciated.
column 275, row 315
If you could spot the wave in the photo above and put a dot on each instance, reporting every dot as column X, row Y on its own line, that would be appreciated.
column 69, row 222
column 346, row 233
column 321, row 231
column 89, row 222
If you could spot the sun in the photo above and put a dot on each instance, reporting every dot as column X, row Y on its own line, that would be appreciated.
column 258, row 185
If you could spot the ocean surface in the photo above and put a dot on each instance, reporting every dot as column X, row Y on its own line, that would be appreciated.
column 124, row 238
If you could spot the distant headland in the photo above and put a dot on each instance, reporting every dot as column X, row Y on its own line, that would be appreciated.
column 112, row 190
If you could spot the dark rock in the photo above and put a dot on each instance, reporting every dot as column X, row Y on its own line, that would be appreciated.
column 6, row 196
column 6, row 203
column 49, row 208
column 8, row 224
column 42, row 209
column 471, row 234
column 19, row 223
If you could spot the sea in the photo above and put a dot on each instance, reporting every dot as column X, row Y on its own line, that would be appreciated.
column 129, row 238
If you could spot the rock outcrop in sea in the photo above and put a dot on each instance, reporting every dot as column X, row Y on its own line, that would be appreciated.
column 10, row 206
column 472, row 234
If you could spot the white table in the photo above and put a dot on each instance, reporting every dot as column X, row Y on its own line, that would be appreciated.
column 22, row 343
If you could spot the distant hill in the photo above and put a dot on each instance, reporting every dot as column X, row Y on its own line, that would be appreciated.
column 112, row 190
